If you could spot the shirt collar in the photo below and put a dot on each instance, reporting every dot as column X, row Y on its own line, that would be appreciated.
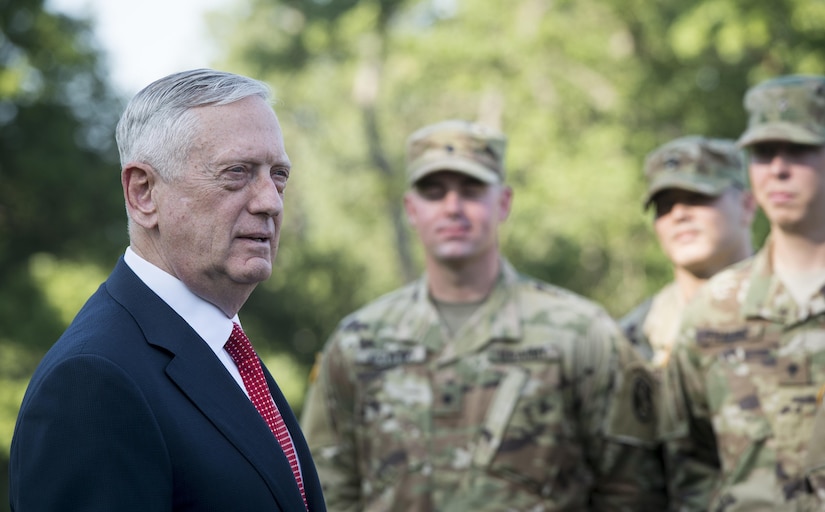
column 205, row 318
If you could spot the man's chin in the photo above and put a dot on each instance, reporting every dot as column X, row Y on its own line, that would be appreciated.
column 454, row 259
column 254, row 272
column 691, row 259
column 698, row 267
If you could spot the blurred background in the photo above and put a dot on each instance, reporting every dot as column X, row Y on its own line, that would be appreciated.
column 583, row 89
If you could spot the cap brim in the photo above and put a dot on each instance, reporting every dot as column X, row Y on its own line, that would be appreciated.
column 460, row 165
column 779, row 131
column 709, row 186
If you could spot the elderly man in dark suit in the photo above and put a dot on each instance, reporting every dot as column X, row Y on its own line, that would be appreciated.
column 154, row 399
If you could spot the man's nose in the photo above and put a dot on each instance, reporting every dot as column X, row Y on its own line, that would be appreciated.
column 779, row 164
column 680, row 210
column 267, row 197
column 453, row 201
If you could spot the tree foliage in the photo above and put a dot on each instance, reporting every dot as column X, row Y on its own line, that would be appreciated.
column 61, row 212
column 59, row 178
column 583, row 88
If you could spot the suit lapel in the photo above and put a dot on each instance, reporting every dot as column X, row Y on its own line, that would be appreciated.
column 228, row 408
column 202, row 378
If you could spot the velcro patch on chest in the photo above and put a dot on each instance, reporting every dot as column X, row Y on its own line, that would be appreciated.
column 523, row 354
column 711, row 337
column 394, row 356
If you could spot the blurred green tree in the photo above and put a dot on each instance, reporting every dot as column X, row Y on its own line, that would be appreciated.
column 60, row 209
column 584, row 89
column 59, row 180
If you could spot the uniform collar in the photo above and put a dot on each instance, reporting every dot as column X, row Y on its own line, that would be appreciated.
column 496, row 319
column 766, row 296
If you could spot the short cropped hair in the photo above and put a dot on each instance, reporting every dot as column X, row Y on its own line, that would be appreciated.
column 156, row 125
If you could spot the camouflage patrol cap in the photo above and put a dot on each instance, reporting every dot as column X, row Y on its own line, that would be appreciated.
column 698, row 164
column 455, row 145
column 789, row 108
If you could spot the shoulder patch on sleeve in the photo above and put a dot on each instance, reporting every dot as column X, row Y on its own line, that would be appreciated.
column 632, row 412
column 642, row 390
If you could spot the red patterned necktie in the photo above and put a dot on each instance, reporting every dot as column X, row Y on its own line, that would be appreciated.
column 249, row 367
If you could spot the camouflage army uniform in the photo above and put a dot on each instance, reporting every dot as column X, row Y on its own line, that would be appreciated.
column 696, row 164
column 536, row 404
column 653, row 325
column 746, row 370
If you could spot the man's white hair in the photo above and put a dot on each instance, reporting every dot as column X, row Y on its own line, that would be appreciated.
column 157, row 125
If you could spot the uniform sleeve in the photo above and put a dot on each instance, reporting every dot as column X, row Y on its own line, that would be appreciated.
column 691, row 456
column 618, row 412
column 87, row 440
column 815, row 460
column 328, row 423
column 632, row 326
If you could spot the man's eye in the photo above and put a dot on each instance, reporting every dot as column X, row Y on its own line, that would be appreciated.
column 279, row 173
column 663, row 208
column 699, row 200
column 431, row 193
column 763, row 152
column 473, row 191
column 798, row 150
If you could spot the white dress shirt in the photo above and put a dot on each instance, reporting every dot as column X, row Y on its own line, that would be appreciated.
column 211, row 324
column 205, row 318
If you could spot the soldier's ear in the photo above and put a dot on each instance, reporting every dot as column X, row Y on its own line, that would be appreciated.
column 749, row 206
column 505, row 202
column 409, row 208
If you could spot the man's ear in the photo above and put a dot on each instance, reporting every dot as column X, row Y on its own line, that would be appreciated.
column 409, row 207
column 749, row 206
column 505, row 202
column 139, row 181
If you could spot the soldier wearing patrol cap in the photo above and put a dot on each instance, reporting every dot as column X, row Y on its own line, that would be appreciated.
column 478, row 388
column 749, row 361
column 703, row 211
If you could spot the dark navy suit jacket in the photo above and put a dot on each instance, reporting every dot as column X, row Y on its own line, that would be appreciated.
column 131, row 411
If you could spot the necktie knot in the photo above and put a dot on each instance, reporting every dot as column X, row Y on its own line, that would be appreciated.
column 239, row 347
